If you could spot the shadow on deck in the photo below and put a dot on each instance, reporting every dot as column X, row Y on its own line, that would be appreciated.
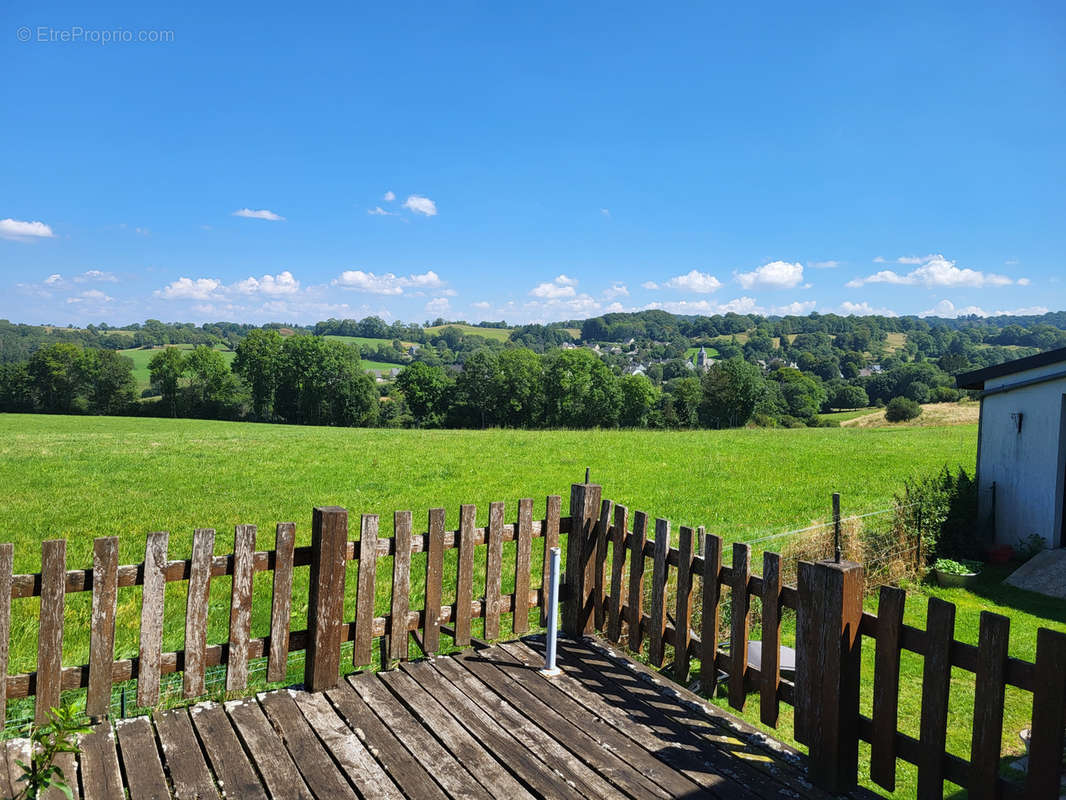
column 479, row 724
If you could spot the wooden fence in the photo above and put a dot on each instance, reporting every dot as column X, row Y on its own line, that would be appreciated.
column 831, row 625
column 326, row 558
column 606, row 586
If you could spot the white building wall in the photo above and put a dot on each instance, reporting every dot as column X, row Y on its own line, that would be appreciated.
column 1028, row 466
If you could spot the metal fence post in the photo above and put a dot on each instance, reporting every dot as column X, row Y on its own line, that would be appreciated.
column 553, row 616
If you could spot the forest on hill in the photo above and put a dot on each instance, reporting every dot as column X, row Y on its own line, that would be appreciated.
column 642, row 369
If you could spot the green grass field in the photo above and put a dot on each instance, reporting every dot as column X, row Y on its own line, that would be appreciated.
column 363, row 342
column 501, row 334
column 141, row 357
column 82, row 477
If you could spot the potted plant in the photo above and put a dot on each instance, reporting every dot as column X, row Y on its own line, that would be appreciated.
column 956, row 573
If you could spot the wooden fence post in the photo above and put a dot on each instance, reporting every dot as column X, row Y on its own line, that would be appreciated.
column 827, row 670
column 580, row 548
column 325, row 605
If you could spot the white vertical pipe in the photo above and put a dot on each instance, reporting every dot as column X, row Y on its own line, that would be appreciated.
column 553, row 614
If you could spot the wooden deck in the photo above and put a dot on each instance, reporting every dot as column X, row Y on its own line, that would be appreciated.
column 482, row 724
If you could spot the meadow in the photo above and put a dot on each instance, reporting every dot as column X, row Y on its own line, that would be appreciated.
column 141, row 356
column 82, row 477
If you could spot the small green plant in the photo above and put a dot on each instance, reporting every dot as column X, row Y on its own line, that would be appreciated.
column 59, row 735
column 1030, row 546
column 949, row 566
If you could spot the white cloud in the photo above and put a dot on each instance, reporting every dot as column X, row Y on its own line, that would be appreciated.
column 948, row 310
column 387, row 283
column 389, row 196
column 739, row 305
column 616, row 290
column 649, row 285
column 614, row 308
column 916, row 259
column 796, row 309
column 481, row 305
column 271, row 285
column 830, row 264
column 260, row 214
column 935, row 271
column 378, row 211
column 96, row 275
column 189, row 289
column 605, row 211
column 91, row 296
column 557, row 289
column 19, row 230
column 438, row 305
column 694, row 281
column 1024, row 281
column 879, row 260
column 775, row 275
column 864, row 309
column 421, row 205
column 53, row 279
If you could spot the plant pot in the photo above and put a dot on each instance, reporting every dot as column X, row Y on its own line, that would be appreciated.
column 1001, row 555
column 950, row 580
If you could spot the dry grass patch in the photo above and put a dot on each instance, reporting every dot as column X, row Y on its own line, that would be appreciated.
column 933, row 414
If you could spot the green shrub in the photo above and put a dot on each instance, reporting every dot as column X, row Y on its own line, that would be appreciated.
column 943, row 508
column 943, row 394
column 901, row 409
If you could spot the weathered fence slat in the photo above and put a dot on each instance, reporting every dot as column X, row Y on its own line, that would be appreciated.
column 636, row 580
column 196, row 606
column 578, row 616
column 740, row 609
column 1049, row 717
column 599, row 577
column 936, row 684
column 771, row 638
column 683, row 614
column 364, row 593
column 240, row 608
column 152, row 597
column 464, row 580
column 890, row 608
column 102, row 625
column 494, row 571
column 281, row 602
column 712, row 595
column 7, row 560
column 656, row 650
column 618, row 563
column 325, row 604
column 399, row 636
column 989, row 693
column 551, row 539
column 523, row 554
column 434, row 581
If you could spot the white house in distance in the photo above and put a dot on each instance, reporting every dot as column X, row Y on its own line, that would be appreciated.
column 1021, row 447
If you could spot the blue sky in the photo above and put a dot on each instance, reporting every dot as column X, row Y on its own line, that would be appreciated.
column 531, row 162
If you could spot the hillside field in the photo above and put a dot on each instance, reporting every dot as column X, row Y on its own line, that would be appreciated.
column 501, row 334
column 141, row 356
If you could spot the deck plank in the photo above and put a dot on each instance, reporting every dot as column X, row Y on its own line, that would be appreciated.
column 360, row 766
column 275, row 765
column 459, row 741
column 518, row 760
column 235, row 774
column 404, row 768
column 189, row 775
column 452, row 776
column 314, row 762
column 709, row 767
column 100, row 774
column 552, row 755
column 749, row 749
column 593, row 742
column 140, row 758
